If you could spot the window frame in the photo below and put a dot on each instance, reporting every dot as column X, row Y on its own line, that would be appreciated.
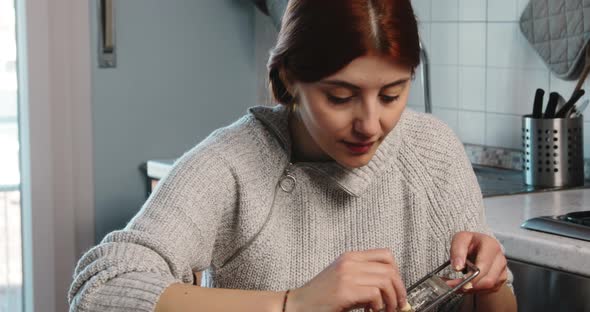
column 55, row 126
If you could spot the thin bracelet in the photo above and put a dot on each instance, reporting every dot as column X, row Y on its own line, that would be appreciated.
column 285, row 300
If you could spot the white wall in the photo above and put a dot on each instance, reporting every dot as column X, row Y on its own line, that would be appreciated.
column 184, row 68
column 484, row 74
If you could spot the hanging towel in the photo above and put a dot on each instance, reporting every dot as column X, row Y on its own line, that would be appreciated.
column 559, row 31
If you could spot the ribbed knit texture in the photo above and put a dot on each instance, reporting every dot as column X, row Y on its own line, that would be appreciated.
column 227, row 208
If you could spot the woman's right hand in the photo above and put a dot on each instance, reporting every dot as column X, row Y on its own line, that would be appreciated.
column 360, row 279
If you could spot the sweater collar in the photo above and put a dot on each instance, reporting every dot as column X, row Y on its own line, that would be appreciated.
column 352, row 180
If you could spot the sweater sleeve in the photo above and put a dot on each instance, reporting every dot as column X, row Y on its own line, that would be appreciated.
column 173, row 234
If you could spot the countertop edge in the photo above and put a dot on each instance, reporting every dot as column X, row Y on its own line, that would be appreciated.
column 544, row 252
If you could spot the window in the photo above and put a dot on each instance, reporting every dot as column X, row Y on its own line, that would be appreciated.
column 10, row 211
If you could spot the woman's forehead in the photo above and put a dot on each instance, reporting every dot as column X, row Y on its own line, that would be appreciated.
column 371, row 71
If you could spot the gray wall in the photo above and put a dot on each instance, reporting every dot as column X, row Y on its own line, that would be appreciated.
column 266, row 37
column 185, row 68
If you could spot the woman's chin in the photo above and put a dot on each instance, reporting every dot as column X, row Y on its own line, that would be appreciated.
column 355, row 161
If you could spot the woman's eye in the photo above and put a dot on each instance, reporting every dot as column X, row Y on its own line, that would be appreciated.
column 389, row 99
column 339, row 100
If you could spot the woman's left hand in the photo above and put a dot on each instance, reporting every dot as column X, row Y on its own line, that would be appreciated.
column 488, row 256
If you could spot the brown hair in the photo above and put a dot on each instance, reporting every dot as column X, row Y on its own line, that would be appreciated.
column 320, row 37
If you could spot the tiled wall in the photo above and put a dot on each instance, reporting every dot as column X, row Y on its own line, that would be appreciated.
column 483, row 72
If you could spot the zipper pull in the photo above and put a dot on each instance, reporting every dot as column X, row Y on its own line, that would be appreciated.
column 288, row 180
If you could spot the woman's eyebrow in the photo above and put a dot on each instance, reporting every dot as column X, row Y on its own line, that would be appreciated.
column 396, row 83
column 341, row 83
column 344, row 84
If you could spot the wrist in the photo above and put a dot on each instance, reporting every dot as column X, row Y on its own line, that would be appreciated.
column 292, row 301
column 500, row 300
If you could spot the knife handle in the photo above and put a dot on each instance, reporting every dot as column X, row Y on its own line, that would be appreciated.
column 551, row 105
column 538, row 104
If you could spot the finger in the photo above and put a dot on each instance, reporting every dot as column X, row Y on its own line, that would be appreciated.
column 460, row 248
column 385, row 284
column 378, row 268
column 486, row 255
column 499, row 285
column 503, row 279
column 371, row 296
column 494, row 275
column 453, row 282
column 382, row 255
column 393, row 272
column 400, row 290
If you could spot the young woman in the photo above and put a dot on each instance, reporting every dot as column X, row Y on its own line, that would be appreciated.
column 337, row 199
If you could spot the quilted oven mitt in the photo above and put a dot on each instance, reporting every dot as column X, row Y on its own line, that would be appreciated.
column 559, row 31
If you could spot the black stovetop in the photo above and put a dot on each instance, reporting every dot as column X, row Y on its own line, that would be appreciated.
column 497, row 182
column 574, row 225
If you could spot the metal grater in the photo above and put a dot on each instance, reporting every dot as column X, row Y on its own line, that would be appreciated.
column 432, row 290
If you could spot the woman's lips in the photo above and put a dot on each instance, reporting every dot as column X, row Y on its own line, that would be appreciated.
column 358, row 148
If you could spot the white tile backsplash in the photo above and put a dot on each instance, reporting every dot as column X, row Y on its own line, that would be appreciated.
column 416, row 97
column 448, row 116
column 492, row 67
column 422, row 9
column 472, row 88
column 424, row 31
column 445, row 86
column 502, row 10
column 512, row 91
column 472, row 44
column 447, row 10
column 502, row 92
column 472, row 127
column 502, row 41
column 444, row 43
column 418, row 108
column 508, row 48
column 565, row 88
column 472, row 10
column 484, row 73
column 503, row 131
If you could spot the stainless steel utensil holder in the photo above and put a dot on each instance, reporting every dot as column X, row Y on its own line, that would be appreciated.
column 553, row 151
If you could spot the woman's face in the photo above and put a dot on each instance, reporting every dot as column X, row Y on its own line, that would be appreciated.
column 346, row 116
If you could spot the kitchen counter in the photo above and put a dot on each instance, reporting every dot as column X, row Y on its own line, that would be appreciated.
column 505, row 214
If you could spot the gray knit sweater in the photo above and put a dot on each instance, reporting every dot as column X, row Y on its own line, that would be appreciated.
column 235, row 207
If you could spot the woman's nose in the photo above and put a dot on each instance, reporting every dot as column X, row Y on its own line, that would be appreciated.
column 367, row 122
